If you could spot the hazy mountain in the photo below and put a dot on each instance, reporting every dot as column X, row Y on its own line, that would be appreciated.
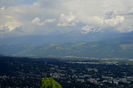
column 98, row 45
column 59, row 38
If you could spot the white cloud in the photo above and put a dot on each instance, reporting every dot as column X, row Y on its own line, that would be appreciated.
column 49, row 20
column 103, row 24
column 88, row 28
column 2, row 8
column 11, row 23
column 37, row 21
column 97, row 15
column 110, row 22
column 105, row 14
column 67, row 20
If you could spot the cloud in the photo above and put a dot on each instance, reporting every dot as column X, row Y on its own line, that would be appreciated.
column 11, row 23
column 110, row 22
column 2, row 8
column 50, row 20
column 50, row 16
column 88, row 28
column 67, row 20
column 7, row 3
column 104, row 14
column 103, row 24
column 37, row 21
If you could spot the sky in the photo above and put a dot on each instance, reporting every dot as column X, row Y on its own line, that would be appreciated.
column 24, row 17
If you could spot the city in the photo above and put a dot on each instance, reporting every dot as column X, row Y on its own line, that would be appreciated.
column 27, row 73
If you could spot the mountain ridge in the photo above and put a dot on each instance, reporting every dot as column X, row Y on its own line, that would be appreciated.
column 121, row 47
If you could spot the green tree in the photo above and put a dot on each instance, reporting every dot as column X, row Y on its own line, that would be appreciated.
column 50, row 83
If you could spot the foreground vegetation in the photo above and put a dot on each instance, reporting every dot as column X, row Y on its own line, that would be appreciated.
column 50, row 83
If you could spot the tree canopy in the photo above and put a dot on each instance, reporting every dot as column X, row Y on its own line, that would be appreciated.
column 50, row 83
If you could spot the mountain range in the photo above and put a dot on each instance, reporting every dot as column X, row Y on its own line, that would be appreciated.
column 99, row 45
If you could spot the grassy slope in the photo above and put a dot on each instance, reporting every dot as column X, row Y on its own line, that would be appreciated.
column 110, row 48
